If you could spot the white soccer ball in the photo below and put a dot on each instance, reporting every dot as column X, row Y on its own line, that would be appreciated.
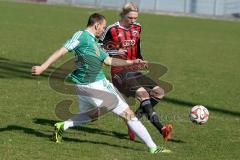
column 199, row 114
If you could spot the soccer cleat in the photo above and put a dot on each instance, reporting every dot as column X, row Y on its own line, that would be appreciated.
column 166, row 131
column 131, row 134
column 159, row 150
column 58, row 132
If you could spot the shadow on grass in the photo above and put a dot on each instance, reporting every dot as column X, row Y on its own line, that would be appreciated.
column 176, row 141
column 12, row 69
column 86, row 129
column 95, row 130
column 25, row 130
column 49, row 134
column 210, row 108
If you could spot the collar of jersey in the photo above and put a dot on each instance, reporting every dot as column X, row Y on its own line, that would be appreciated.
column 118, row 23
column 90, row 33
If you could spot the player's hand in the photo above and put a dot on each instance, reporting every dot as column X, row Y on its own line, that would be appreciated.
column 145, row 65
column 37, row 70
column 122, row 51
column 139, row 64
column 139, row 61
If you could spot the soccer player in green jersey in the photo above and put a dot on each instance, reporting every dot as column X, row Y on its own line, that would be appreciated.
column 91, row 85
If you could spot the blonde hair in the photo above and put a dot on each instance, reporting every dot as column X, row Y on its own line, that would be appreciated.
column 128, row 7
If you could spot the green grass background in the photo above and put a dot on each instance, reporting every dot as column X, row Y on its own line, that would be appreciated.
column 202, row 57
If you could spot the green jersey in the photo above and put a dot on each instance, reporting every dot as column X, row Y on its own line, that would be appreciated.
column 89, row 57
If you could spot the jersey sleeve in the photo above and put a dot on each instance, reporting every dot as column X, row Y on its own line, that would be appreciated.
column 73, row 42
column 103, row 54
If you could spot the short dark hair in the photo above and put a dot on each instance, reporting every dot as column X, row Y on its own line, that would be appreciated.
column 95, row 17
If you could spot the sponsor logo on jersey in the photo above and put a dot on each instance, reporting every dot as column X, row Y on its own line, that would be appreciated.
column 135, row 33
column 127, row 43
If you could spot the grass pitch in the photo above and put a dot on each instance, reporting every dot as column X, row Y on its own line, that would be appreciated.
column 202, row 57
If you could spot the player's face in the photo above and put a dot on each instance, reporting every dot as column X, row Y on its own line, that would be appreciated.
column 100, row 27
column 131, row 17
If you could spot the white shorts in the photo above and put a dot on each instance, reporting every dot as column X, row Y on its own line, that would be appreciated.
column 100, row 94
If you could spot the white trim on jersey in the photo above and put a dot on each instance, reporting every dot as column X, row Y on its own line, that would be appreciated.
column 73, row 42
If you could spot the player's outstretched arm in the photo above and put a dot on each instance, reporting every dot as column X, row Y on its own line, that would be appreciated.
column 119, row 62
column 37, row 70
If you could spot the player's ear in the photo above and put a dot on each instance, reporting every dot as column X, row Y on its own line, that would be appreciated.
column 96, row 26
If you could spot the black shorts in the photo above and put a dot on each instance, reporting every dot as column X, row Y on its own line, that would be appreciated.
column 128, row 82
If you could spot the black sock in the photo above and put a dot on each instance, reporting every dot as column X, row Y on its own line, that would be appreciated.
column 154, row 101
column 155, row 121
column 151, row 115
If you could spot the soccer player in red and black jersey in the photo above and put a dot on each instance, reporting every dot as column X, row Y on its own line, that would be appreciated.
column 122, row 40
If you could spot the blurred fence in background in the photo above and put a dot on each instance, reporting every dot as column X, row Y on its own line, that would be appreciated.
column 218, row 8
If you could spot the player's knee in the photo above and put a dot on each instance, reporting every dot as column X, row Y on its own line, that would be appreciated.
column 158, row 92
column 142, row 94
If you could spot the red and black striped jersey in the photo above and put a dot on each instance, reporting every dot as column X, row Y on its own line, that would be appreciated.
column 116, row 36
